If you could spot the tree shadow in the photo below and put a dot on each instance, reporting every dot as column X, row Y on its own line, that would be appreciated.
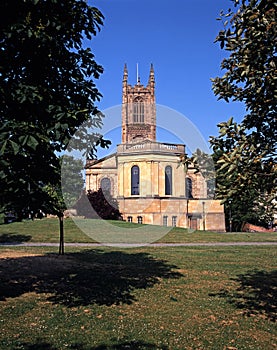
column 36, row 346
column 256, row 294
column 83, row 278
column 14, row 237
column 134, row 345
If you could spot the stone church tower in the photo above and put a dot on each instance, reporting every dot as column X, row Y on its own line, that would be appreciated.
column 138, row 110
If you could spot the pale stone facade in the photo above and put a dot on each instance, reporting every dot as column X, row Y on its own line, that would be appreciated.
column 145, row 175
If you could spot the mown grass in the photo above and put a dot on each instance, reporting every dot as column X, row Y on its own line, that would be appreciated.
column 47, row 230
column 141, row 298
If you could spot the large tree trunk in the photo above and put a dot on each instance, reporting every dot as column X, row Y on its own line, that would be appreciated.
column 61, row 246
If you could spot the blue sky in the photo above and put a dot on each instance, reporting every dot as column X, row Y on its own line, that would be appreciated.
column 177, row 36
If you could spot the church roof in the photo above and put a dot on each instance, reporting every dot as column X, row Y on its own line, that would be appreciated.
column 92, row 162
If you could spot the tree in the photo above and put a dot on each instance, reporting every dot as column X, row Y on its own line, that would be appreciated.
column 98, row 204
column 201, row 162
column 54, row 204
column 246, row 152
column 72, row 179
column 253, row 202
column 47, row 86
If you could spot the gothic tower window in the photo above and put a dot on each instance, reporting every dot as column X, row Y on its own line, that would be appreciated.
column 135, row 180
column 138, row 111
column 105, row 184
column 168, row 180
column 189, row 187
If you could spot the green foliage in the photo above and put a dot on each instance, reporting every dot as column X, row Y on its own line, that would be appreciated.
column 250, row 38
column 54, row 203
column 244, row 178
column 72, row 179
column 246, row 152
column 47, row 87
column 98, row 204
column 203, row 163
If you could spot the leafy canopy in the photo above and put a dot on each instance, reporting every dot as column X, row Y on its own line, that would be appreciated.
column 47, row 87
column 246, row 152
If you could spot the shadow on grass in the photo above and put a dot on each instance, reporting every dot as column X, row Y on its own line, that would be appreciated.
column 256, row 294
column 83, row 278
column 133, row 345
column 14, row 237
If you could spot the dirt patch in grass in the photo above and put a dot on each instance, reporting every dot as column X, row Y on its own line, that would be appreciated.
column 43, row 262
column 13, row 254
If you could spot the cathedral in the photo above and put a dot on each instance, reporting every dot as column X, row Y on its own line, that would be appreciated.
column 145, row 176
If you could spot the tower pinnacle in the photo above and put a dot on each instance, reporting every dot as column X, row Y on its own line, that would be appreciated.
column 151, row 75
column 138, row 77
column 125, row 74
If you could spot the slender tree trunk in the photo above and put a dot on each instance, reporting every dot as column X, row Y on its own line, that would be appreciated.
column 61, row 247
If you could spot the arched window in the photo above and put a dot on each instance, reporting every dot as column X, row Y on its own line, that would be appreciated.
column 105, row 184
column 139, row 219
column 174, row 221
column 168, row 180
column 138, row 111
column 164, row 220
column 135, row 180
column 211, row 188
column 188, row 187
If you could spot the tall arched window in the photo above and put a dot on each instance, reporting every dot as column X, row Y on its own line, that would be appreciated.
column 168, row 180
column 105, row 184
column 138, row 111
column 174, row 221
column 135, row 180
column 188, row 187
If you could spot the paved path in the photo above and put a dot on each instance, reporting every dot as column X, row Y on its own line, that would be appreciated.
column 130, row 245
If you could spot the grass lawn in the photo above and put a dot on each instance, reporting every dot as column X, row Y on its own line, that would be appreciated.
column 47, row 230
column 141, row 298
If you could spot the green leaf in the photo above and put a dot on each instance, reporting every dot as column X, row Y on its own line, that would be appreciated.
column 32, row 142
column 15, row 146
column 230, row 122
column 3, row 147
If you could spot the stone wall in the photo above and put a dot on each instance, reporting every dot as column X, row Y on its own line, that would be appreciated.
column 153, row 210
